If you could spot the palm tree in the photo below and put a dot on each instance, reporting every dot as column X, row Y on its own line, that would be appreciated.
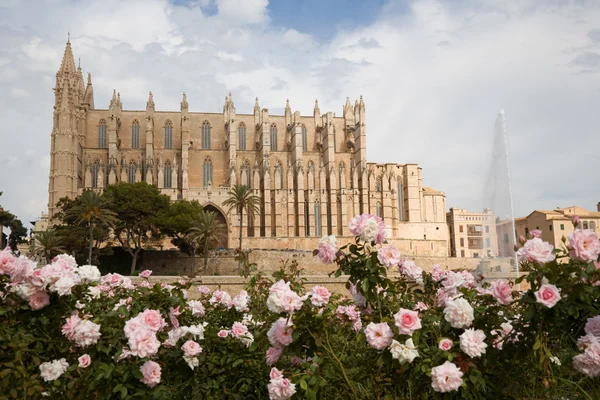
column 49, row 244
column 91, row 211
column 241, row 198
column 207, row 228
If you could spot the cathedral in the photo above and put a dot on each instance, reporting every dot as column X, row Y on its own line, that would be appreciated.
column 310, row 171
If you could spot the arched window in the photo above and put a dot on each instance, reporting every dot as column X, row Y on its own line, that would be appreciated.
column 206, row 135
column 378, row 185
column 242, row 136
column 379, row 210
column 95, row 169
column 304, row 139
column 135, row 135
column 131, row 172
column 168, row 135
column 278, row 176
column 207, row 172
column 400, row 202
column 273, row 137
column 585, row 225
column 167, row 172
column 592, row 225
column 102, row 134
column 317, row 219
column 334, row 141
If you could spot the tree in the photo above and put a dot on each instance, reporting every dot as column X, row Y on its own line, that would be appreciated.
column 136, row 206
column 90, row 211
column 241, row 198
column 17, row 230
column 207, row 228
column 177, row 220
column 49, row 244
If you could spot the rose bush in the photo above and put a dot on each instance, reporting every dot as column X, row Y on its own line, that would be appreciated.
column 67, row 332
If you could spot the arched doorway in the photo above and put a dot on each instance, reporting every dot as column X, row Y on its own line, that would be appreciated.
column 223, row 243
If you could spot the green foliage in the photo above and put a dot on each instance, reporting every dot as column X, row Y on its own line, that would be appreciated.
column 17, row 230
column 205, row 230
column 136, row 206
column 49, row 244
column 176, row 221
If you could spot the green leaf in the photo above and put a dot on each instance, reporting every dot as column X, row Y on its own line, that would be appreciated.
column 303, row 385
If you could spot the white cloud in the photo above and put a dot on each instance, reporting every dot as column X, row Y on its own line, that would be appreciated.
column 433, row 79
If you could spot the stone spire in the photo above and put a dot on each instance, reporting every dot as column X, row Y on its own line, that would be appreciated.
column 150, row 102
column 317, row 111
column 68, row 61
column 256, row 106
column 88, row 94
column 288, row 113
column 184, row 103
column 257, row 119
column 119, row 104
column 89, row 81
column 113, row 101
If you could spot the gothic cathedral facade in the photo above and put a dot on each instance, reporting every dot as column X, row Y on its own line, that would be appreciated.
column 310, row 172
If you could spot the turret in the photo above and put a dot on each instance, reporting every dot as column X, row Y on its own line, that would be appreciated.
column 150, row 103
column 316, row 113
column 256, row 112
column 288, row 113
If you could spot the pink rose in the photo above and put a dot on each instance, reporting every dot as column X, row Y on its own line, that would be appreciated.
column 437, row 273
column 280, row 334
column 596, row 265
column 275, row 374
column 592, row 326
column 370, row 228
column 446, row 377
column 238, row 329
column 327, row 250
column 191, row 348
column 319, row 296
column 588, row 363
column 575, row 220
column 548, row 295
column 584, row 245
column 407, row 321
column 39, row 300
column 273, row 355
column 472, row 342
column 502, row 291
column 279, row 387
column 389, row 256
column 223, row 333
column 536, row 233
column 445, row 344
column 151, row 373
column 143, row 343
column 379, row 336
column 420, row 306
column 6, row 260
column 146, row 274
column 69, row 329
column 84, row 361
column 152, row 320
column 536, row 250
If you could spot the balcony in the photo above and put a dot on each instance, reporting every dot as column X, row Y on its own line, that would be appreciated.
column 474, row 230
column 475, row 244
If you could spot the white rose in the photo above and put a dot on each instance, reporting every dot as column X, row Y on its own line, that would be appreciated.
column 404, row 353
column 196, row 330
column 459, row 313
column 89, row 273
column 370, row 230
column 64, row 285
column 50, row 371
column 275, row 302
column 191, row 361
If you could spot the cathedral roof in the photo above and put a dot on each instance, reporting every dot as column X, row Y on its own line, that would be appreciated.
column 68, row 61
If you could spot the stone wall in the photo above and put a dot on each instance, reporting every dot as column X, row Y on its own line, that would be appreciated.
column 268, row 261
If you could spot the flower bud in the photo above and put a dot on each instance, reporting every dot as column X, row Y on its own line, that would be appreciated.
column 575, row 220
column 522, row 239
column 516, row 247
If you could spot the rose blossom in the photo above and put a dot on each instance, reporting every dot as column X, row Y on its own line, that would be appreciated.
column 445, row 344
column 472, row 342
column 389, row 256
column 273, row 355
column 151, row 373
column 407, row 321
column 459, row 313
column 584, row 245
column 592, row 326
column 409, row 269
column 143, row 343
column 502, row 291
column 446, row 377
column 50, row 371
column 86, row 333
column 280, row 388
column 370, row 228
column 146, row 273
column 379, row 336
column 319, row 296
column 548, row 295
column 152, row 320
column 404, row 353
column 326, row 250
column 437, row 273
column 536, row 250
column 191, row 348
column 536, row 233
column 89, row 273
column 196, row 307
column 280, row 333
column 84, row 361
column 588, row 363
column 238, row 329
column 223, row 333
column 240, row 302
column 420, row 306
column 70, row 327
column 39, row 300
column 6, row 260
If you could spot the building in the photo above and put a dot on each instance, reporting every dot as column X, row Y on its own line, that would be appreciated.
column 472, row 234
column 310, row 172
column 554, row 225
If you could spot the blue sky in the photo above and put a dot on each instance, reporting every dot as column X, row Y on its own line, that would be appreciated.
column 433, row 74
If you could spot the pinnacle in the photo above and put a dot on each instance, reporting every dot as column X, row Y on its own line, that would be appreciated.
column 68, row 61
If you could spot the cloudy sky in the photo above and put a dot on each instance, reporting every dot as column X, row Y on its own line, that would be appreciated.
column 433, row 75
